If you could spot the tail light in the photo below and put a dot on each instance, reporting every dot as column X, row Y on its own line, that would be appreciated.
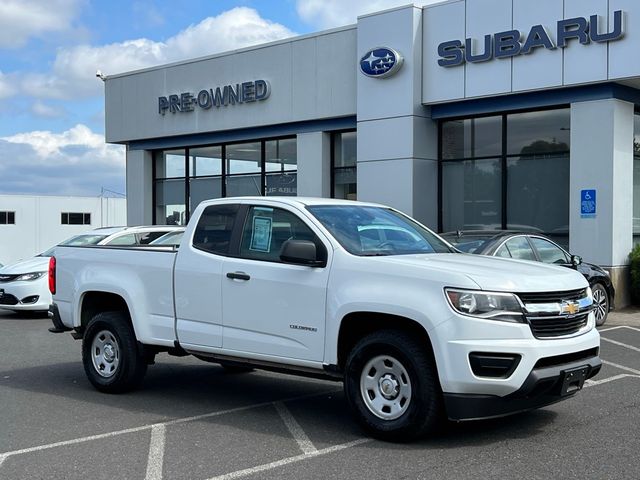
column 52, row 275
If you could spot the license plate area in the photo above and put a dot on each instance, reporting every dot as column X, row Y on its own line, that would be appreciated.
column 573, row 380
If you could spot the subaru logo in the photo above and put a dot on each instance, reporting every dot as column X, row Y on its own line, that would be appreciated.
column 380, row 62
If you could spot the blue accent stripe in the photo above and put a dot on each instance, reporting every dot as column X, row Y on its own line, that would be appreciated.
column 244, row 134
column 533, row 100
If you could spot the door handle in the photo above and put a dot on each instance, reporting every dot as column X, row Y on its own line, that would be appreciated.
column 238, row 276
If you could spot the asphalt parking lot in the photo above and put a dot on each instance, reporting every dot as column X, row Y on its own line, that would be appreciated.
column 192, row 420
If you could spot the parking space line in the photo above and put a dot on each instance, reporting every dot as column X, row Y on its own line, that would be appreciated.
column 141, row 428
column 619, row 327
column 593, row 383
column 287, row 461
column 156, row 452
column 620, row 344
column 295, row 429
column 622, row 367
column 2, row 459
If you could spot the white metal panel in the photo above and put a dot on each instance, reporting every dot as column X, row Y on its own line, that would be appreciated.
column 385, row 139
column 585, row 63
column 486, row 17
column 624, row 61
column 542, row 68
column 337, row 67
column 442, row 23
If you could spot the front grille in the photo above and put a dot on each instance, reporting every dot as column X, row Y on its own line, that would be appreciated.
column 8, row 278
column 547, row 327
column 552, row 297
column 549, row 313
column 7, row 299
column 566, row 358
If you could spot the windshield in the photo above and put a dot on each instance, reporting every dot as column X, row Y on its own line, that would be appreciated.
column 77, row 241
column 171, row 238
column 468, row 243
column 374, row 231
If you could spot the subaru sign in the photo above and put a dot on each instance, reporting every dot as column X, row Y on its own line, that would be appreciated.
column 514, row 42
column 380, row 62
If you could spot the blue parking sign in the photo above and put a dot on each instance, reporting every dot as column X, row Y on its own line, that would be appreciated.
column 587, row 203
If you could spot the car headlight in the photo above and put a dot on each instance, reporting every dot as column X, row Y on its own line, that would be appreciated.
column 27, row 277
column 487, row 305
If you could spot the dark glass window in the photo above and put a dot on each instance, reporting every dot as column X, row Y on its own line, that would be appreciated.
column 636, row 178
column 508, row 171
column 549, row 252
column 471, row 138
column 205, row 169
column 266, row 229
column 213, row 232
column 72, row 218
column 472, row 194
column 7, row 218
column 518, row 248
column 281, row 165
column 344, row 156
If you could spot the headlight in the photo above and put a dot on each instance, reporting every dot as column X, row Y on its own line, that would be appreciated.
column 487, row 305
column 27, row 277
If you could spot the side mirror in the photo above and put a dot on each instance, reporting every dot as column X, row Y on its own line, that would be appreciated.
column 576, row 260
column 300, row 252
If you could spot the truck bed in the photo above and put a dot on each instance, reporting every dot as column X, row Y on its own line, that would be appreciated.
column 103, row 269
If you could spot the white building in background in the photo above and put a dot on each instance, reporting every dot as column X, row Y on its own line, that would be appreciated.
column 30, row 225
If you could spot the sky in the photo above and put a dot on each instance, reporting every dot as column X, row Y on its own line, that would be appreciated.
column 52, row 104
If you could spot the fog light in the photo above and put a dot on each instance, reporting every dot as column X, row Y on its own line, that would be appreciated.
column 29, row 300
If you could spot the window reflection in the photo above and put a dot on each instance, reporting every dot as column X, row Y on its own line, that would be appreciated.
column 470, row 138
column 344, row 151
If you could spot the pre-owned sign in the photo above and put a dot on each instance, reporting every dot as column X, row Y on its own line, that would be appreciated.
column 245, row 92
column 513, row 42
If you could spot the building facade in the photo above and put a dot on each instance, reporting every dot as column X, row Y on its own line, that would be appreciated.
column 465, row 114
column 29, row 225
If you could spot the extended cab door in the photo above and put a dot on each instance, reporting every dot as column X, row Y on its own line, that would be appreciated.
column 271, row 307
column 198, row 277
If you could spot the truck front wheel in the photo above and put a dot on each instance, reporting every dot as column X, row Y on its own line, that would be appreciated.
column 110, row 354
column 392, row 386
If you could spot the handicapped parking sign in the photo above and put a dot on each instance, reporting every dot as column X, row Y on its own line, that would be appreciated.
column 587, row 203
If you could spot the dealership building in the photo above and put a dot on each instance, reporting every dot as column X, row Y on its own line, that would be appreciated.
column 491, row 114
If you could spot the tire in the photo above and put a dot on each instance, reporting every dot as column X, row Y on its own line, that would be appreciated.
column 111, row 357
column 403, row 403
column 601, row 302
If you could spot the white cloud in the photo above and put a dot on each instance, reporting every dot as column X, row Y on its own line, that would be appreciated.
column 335, row 13
column 74, row 162
column 22, row 19
column 6, row 88
column 44, row 110
column 74, row 69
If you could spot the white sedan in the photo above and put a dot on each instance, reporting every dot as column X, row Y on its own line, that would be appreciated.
column 24, row 284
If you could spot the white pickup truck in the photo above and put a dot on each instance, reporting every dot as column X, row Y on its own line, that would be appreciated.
column 346, row 290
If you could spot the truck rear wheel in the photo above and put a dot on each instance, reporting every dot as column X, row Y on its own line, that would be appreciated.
column 110, row 354
column 392, row 386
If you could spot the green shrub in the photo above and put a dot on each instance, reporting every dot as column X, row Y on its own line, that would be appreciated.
column 634, row 257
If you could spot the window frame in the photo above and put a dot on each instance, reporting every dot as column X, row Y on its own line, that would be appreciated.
column 224, row 173
column 86, row 218
column 9, row 217
column 503, row 156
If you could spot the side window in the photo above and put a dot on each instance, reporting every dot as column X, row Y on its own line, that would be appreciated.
column 266, row 229
column 503, row 252
column 148, row 237
column 519, row 248
column 213, row 232
column 128, row 240
column 549, row 252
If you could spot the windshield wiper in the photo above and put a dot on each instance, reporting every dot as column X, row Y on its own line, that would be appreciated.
column 377, row 254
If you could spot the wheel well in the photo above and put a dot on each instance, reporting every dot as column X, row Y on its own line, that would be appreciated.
column 97, row 302
column 356, row 325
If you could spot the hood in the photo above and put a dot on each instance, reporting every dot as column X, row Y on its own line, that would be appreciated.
column 31, row 265
column 497, row 274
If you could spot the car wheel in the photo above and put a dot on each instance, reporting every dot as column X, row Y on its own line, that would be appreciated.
column 111, row 357
column 392, row 386
column 601, row 303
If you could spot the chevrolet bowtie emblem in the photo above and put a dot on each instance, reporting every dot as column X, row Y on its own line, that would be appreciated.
column 570, row 308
